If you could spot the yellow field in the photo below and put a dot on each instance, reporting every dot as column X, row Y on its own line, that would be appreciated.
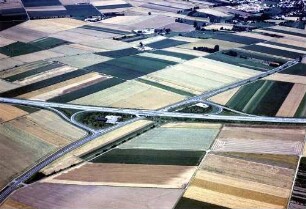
column 62, row 87
column 131, row 94
column 5, row 86
column 233, row 182
column 287, row 78
column 224, row 97
column 186, row 51
column 288, row 41
column 56, row 124
column 286, row 36
column 192, row 125
column 293, row 101
column 108, row 44
column 3, row 56
column 263, row 54
column 9, row 63
column 162, row 57
column 5, row 41
column 41, row 132
column 36, row 56
column 255, row 35
column 72, row 157
column 218, row 26
column 8, row 112
column 282, row 48
column 187, row 39
column 53, row 25
column 200, row 75
column 45, row 75
column 26, row 139
column 23, row 68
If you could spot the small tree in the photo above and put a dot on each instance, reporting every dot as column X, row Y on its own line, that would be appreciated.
column 149, row 13
column 217, row 48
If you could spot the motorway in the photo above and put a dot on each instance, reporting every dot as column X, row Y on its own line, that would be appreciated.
column 209, row 94
column 153, row 113
column 17, row 182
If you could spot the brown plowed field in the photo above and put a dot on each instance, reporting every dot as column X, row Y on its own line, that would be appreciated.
column 45, row 195
column 164, row 176
column 231, row 181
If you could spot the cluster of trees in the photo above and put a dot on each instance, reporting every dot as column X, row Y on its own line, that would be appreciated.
column 207, row 49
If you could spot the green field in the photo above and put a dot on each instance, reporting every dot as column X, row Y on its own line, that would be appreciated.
column 174, row 54
column 260, row 98
column 248, row 63
column 166, row 43
column 168, row 88
column 130, row 67
column 152, row 157
column 48, row 43
column 18, row 48
column 120, row 53
column 174, row 139
column 301, row 111
column 298, row 69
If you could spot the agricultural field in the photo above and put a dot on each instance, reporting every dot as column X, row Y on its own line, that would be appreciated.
column 82, row 60
column 93, row 197
column 199, row 75
column 131, row 94
column 242, row 59
column 130, row 67
column 211, row 43
column 161, row 176
column 152, row 162
column 6, row 86
column 298, row 195
column 224, row 97
column 74, row 157
column 231, row 181
column 269, row 140
column 8, row 112
column 256, row 98
column 174, row 136
column 151, row 157
column 276, row 50
column 298, row 69
column 65, row 87
column 28, row 137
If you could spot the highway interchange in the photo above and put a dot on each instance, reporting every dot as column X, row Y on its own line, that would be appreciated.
column 141, row 114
